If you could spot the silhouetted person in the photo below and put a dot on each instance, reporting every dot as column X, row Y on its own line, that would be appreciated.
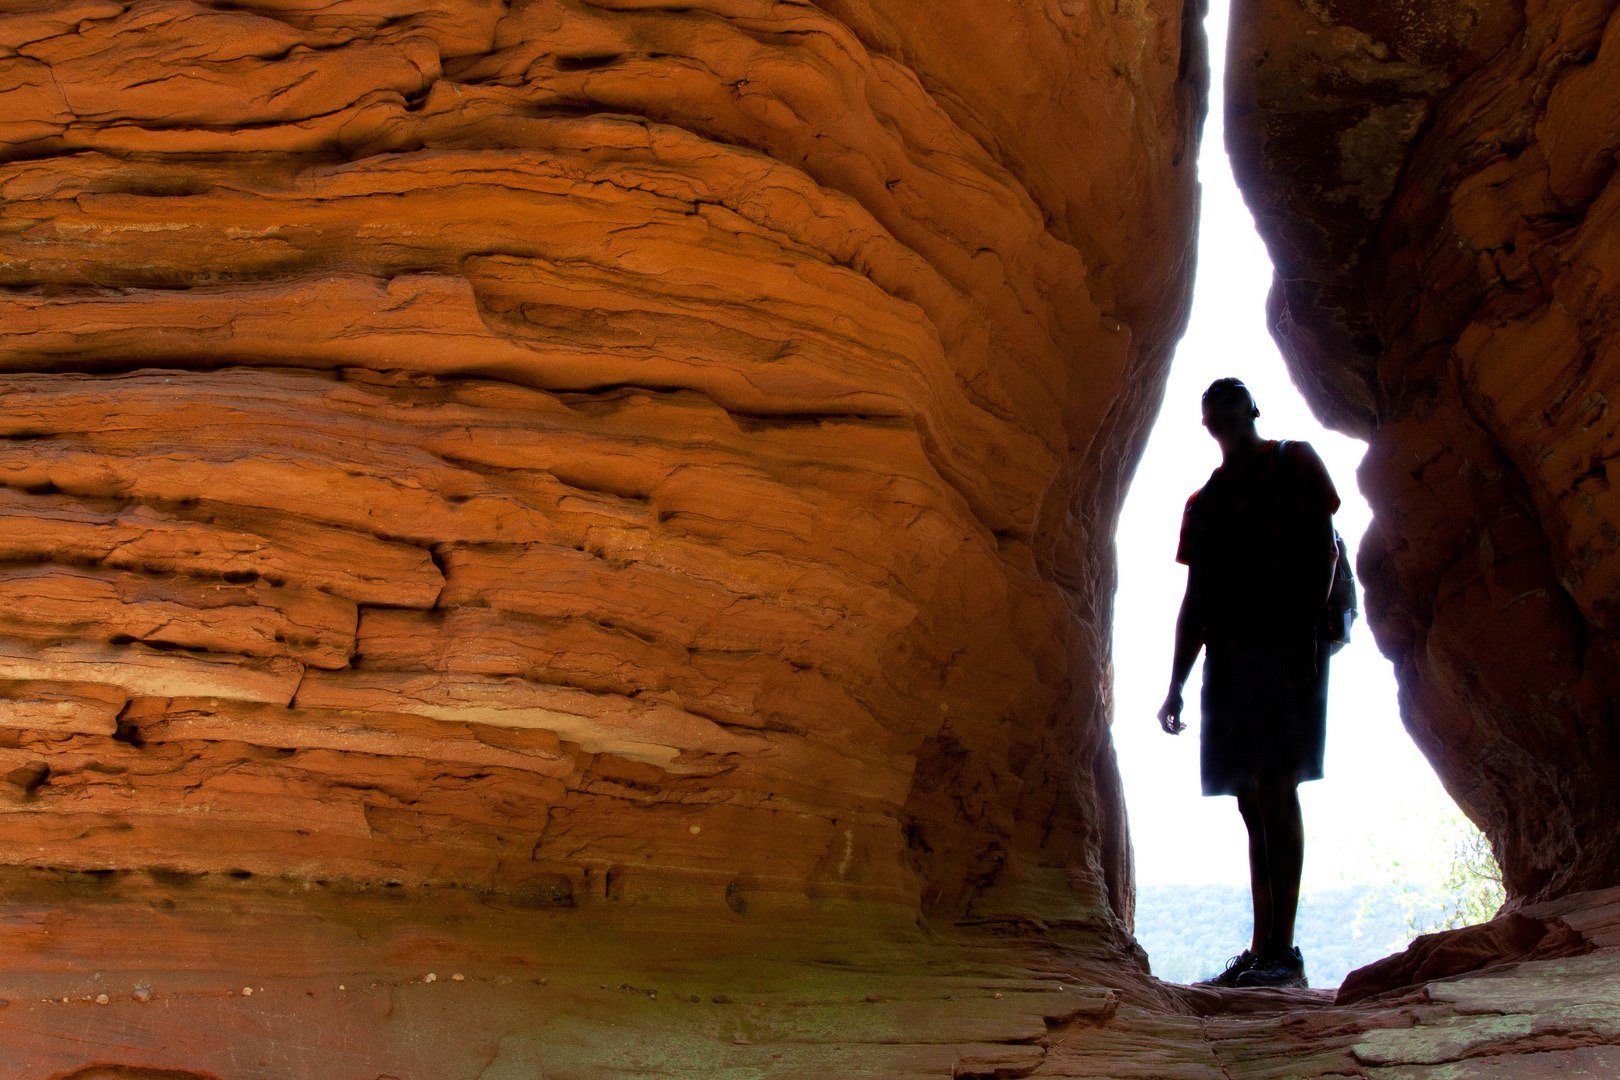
column 1260, row 548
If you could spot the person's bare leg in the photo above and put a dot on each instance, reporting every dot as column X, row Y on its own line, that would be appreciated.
column 1259, row 866
column 1284, row 829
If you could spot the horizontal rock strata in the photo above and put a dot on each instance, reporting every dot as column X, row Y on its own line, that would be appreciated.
column 1436, row 183
column 582, row 450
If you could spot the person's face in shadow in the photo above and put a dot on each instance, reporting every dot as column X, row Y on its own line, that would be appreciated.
column 1230, row 419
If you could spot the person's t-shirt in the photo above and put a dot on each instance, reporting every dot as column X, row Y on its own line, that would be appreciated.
column 1251, row 536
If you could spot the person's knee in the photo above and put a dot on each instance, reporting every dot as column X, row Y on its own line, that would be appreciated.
column 1278, row 793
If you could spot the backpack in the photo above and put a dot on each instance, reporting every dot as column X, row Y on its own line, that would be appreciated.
column 1341, row 605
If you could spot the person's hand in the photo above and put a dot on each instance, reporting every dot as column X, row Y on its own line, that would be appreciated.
column 1170, row 714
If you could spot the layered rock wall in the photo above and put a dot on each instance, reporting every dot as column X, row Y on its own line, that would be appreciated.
column 587, row 451
column 1436, row 183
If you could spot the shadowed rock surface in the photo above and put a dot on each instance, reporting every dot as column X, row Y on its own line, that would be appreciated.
column 1436, row 184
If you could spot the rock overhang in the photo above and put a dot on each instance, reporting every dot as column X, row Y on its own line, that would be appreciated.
column 578, row 448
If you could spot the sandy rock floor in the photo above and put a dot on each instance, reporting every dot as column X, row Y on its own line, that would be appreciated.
column 128, row 977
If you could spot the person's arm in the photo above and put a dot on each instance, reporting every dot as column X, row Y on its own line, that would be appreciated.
column 1189, row 639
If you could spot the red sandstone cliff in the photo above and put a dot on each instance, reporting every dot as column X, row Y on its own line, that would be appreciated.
column 582, row 450
column 1436, row 183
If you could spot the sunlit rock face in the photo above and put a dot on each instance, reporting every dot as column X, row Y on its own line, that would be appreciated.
column 1436, row 183
column 582, row 451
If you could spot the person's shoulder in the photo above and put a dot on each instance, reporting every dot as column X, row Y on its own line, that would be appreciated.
column 1308, row 469
column 1300, row 457
column 1298, row 449
column 1202, row 495
column 1187, row 542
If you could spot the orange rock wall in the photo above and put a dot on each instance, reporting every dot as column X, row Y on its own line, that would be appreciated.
column 1436, row 182
column 582, row 450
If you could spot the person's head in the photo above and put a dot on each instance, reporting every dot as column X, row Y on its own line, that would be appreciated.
column 1229, row 408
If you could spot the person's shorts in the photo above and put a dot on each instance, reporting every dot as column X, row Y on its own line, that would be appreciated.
column 1264, row 716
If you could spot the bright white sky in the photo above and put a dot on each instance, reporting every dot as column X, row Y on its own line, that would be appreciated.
column 1379, row 792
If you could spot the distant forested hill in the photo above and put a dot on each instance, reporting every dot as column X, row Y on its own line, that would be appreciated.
column 1189, row 931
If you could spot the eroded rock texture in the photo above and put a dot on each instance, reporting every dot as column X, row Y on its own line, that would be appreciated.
column 264, row 980
column 582, row 450
column 1436, row 182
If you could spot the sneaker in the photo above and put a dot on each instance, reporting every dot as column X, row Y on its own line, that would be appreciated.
column 1285, row 969
column 1235, row 967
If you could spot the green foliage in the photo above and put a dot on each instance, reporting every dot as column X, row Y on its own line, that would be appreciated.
column 1472, row 884
column 1189, row 931
column 1461, row 887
